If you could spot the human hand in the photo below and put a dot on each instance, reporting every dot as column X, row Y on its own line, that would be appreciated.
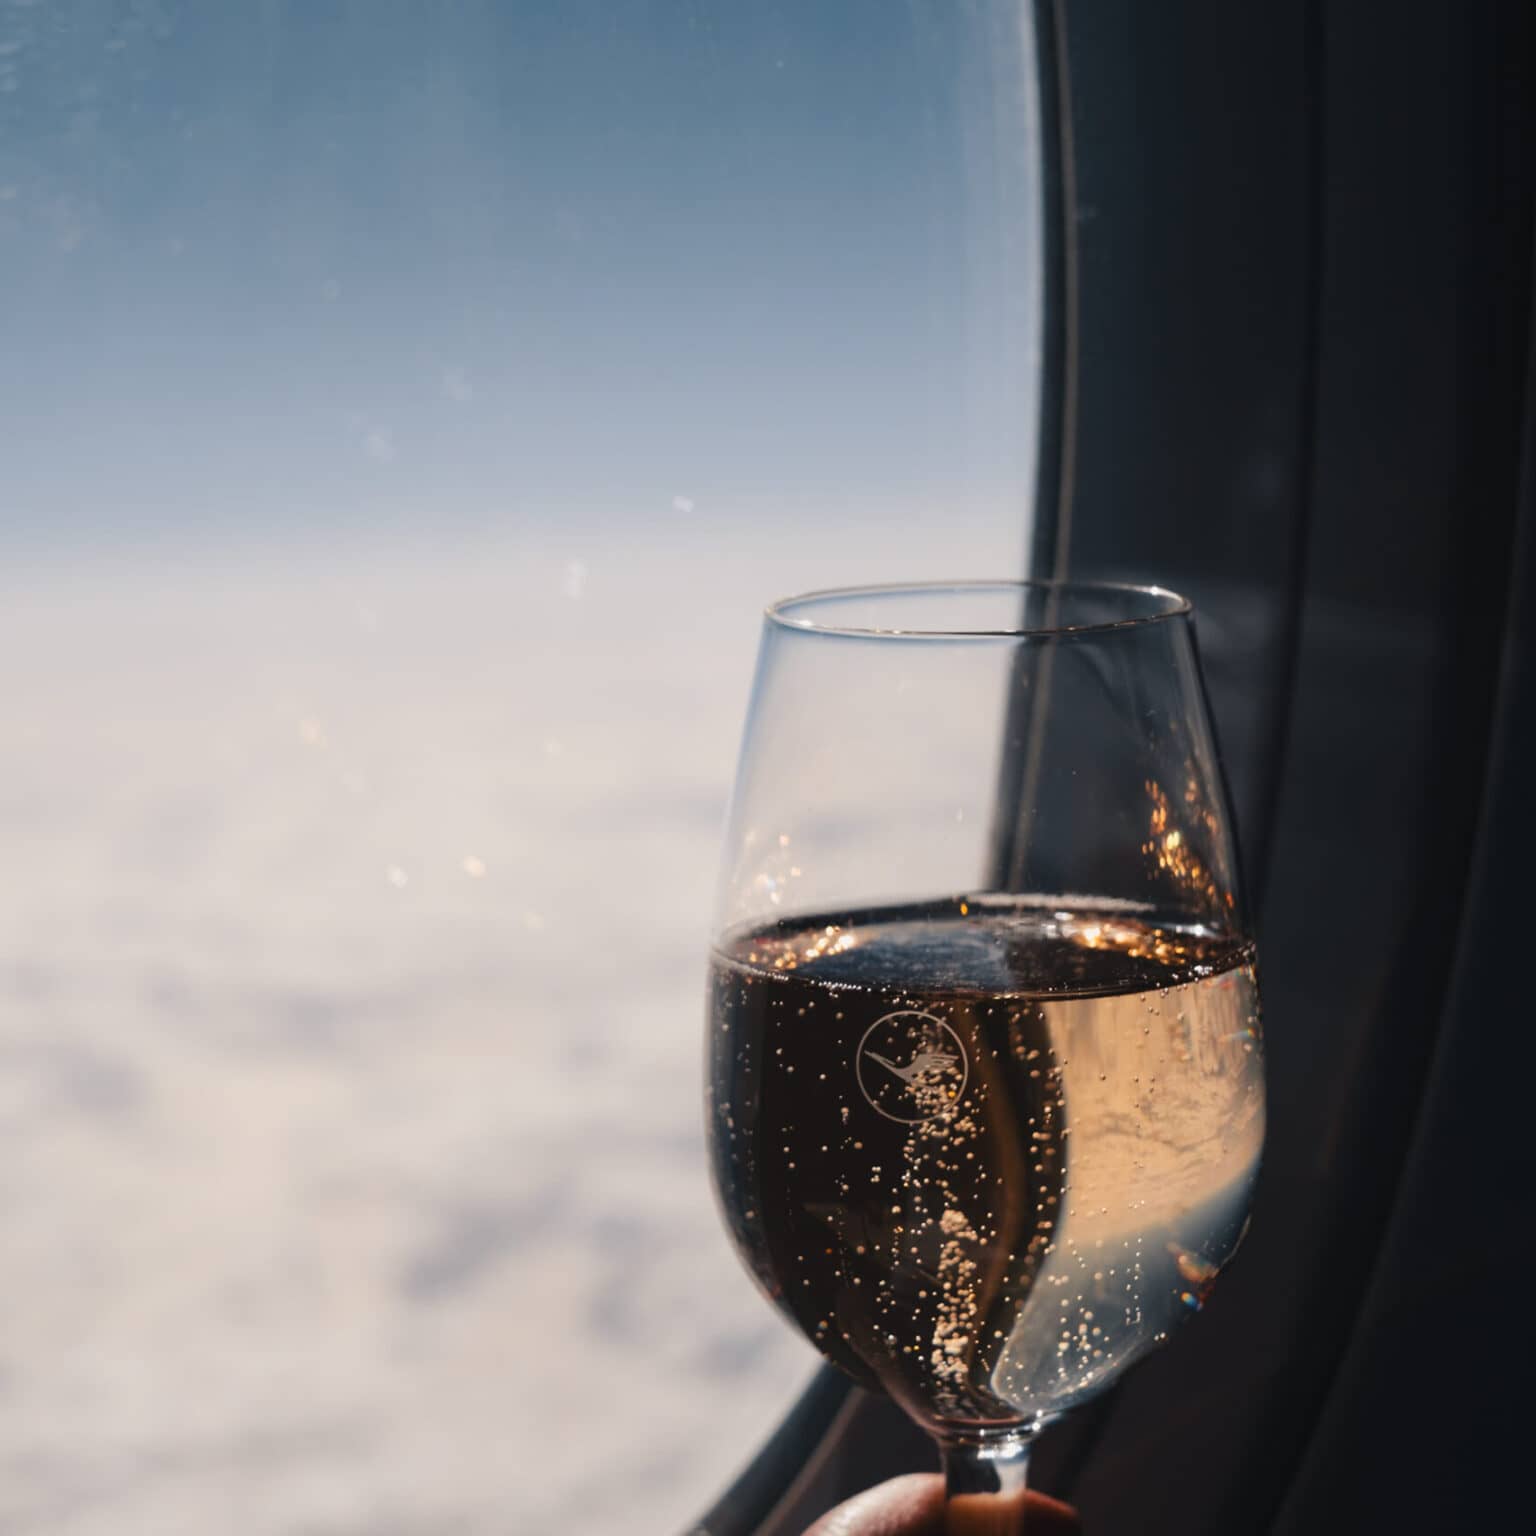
column 914, row 1506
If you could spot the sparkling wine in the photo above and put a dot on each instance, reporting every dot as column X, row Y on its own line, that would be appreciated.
column 985, row 1152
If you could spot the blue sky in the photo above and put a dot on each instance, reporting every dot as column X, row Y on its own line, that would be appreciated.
column 417, row 265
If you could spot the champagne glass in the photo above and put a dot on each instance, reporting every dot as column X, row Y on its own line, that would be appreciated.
column 985, row 1084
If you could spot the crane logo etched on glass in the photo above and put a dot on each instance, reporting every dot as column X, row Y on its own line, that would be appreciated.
column 911, row 1066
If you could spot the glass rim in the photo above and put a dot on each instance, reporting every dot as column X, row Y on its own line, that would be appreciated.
column 782, row 611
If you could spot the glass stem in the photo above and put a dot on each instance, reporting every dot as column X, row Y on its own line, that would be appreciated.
column 984, row 1481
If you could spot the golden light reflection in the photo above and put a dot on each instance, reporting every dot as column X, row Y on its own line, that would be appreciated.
column 1137, row 940
column 1171, row 850
column 790, row 954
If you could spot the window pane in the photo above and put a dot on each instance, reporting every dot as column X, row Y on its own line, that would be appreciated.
column 407, row 410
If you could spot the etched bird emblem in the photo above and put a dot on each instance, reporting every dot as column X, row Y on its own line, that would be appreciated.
column 923, row 1067
column 923, row 1062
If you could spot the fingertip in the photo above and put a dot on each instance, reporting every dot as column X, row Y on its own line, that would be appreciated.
column 1032, row 1514
column 1050, row 1517
column 906, row 1506
column 914, row 1506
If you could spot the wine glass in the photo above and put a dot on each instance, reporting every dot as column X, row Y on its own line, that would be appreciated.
column 985, row 1082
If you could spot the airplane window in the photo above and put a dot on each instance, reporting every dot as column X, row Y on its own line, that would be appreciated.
column 407, row 411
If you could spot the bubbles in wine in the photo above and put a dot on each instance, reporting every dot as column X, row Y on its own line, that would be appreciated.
column 985, row 1152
